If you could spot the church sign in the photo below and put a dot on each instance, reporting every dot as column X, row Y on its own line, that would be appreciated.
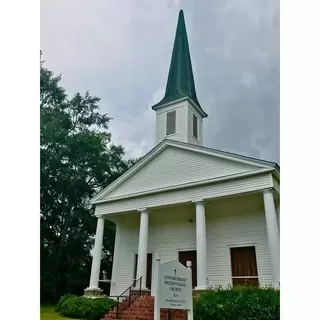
column 175, row 288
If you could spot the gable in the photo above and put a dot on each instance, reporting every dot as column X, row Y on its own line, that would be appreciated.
column 176, row 166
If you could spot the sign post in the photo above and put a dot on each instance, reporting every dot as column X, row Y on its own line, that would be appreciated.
column 190, row 311
column 156, row 298
column 174, row 288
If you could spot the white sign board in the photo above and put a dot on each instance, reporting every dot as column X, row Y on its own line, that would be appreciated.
column 175, row 287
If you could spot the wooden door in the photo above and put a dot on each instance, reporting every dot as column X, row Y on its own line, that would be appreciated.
column 185, row 256
column 149, row 269
column 244, row 266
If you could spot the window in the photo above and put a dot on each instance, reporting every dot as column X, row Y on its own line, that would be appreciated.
column 244, row 266
column 195, row 126
column 171, row 122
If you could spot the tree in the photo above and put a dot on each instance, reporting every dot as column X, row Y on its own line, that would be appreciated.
column 77, row 160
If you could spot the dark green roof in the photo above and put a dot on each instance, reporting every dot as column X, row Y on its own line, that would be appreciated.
column 180, row 82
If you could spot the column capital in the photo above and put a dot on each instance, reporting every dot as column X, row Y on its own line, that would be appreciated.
column 143, row 210
column 198, row 201
column 269, row 190
column 98, row 216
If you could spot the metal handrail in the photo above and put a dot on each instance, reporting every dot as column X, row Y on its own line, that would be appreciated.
column 130, row 298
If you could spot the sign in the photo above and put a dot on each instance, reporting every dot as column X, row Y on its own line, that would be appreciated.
column 175, row 287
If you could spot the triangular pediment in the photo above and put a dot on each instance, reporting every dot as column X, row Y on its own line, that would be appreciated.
column 172, row 164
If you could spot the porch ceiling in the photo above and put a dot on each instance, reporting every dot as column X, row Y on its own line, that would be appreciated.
column 228, row 204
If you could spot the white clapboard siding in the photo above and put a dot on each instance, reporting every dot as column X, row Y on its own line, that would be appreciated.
column 181, row 121
column 174, row 166
column 191, row 138
column 184, row 129
column 171, row 232
column 179, row 196
column 240, row 226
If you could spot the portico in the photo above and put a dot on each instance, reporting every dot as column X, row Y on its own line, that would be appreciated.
column 183, row 227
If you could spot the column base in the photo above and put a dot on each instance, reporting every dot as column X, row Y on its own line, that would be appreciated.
column 94, row 293
column 200, row 288
column 144, row 291
column 196, row 292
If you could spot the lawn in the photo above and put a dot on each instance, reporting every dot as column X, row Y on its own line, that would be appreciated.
column 48, row 313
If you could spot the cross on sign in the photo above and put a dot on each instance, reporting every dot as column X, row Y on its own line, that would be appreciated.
column 175, row 271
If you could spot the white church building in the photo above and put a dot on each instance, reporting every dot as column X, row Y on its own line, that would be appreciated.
column 184, row 201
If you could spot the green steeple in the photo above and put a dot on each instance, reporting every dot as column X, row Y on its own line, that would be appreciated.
column 180, row 82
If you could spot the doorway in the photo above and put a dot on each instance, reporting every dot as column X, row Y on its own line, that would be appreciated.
column 149, row 269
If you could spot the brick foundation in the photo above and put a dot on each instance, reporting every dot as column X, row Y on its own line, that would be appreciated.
column 143, row 309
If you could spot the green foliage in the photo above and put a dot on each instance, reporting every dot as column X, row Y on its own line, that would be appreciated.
column 82, row 307
column 241, row 303
column 77, row 160
column 62, row 300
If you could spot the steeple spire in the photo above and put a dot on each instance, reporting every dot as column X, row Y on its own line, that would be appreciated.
column 180, row 83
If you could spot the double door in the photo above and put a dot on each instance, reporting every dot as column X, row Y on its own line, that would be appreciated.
column 244, row 266
column 149, row 269
column 185, row 256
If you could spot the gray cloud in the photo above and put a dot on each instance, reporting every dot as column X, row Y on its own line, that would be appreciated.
column 121, row 50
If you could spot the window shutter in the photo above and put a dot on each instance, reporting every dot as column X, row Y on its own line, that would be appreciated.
column 195, row 126
column 171, row 122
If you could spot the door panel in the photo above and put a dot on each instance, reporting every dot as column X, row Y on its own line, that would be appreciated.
column 185, row 256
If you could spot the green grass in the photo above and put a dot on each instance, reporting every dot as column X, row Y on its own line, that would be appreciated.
column 48, row 313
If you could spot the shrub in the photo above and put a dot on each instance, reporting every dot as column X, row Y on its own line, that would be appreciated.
column 86, row 308
column 62, row 300
column 242, row 303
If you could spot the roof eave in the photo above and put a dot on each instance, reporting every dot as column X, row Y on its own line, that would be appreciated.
column 166, row 104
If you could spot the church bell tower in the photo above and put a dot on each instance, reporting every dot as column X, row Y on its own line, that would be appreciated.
column 179, row 115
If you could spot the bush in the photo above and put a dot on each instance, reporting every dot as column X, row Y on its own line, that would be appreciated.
column 62, row 300
column 242, row 303
column 86, row 308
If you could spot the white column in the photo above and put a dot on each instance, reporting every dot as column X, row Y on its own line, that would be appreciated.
column 273, row 234
column 115, row 264
column 96, row 259
column 143, row 247
column 201, row 237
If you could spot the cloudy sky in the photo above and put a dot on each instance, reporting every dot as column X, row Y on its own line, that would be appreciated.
column 121, row 50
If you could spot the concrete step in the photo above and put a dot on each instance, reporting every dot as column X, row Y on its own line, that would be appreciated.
column 142, row 308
